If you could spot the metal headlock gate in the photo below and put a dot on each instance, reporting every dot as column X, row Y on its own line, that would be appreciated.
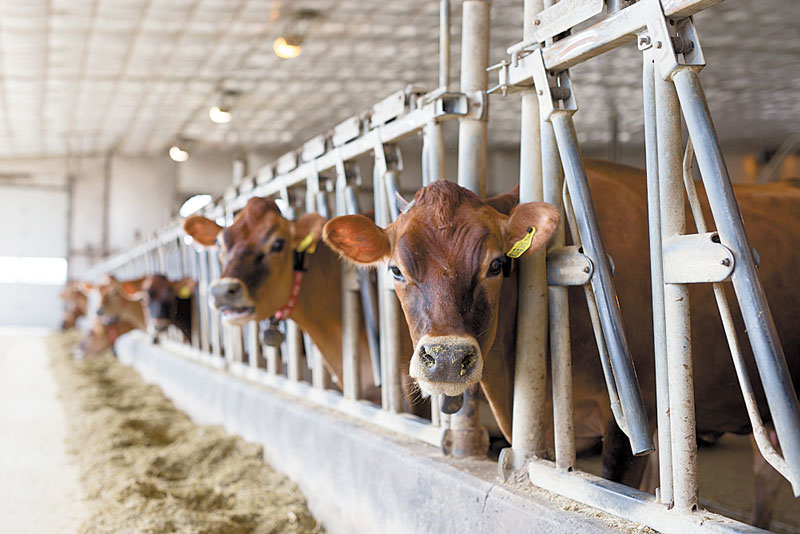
column 537, row 68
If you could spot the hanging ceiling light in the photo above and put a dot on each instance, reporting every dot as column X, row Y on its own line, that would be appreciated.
column 287, row 47
column 221, row 113
column 178, row 153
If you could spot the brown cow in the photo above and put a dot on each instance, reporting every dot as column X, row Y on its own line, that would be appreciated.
column 115, row 303
column 76, row 304
column 446, row 254
column 166, row 303
column 259, row 278
column 102, row 335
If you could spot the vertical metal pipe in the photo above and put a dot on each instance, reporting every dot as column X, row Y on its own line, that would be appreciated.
column 767, row 350
column 215, row 330
column 202, row 297
column 530, row 372
column 294, row 345
column 558, row 307
column 444, row 44
column 433, row 153
column 657, row 280
column 602, row 284
column 676, row 301
column 389, row 306
column 475, row 20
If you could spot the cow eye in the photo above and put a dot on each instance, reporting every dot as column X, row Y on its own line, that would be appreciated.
column 396, row 273
column 496, row 267
column 277, row 246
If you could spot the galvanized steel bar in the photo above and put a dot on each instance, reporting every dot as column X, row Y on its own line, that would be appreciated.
column 760, row 327
column 676, row 302
column 602, row 284
column 444, row 44
column 657, row 280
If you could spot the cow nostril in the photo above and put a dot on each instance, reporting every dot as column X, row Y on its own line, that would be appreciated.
column 233, row 289
column 468, row 362
column 426, row 359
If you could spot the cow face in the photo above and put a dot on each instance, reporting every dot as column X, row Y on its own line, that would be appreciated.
column 114, row 295
column 446, row 255
column 158, row 297
column 256, row 253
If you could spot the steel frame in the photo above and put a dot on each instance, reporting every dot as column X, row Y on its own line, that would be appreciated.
column 538, row 68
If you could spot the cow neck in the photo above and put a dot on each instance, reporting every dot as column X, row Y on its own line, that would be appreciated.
column 133, row 313
column 318, row 309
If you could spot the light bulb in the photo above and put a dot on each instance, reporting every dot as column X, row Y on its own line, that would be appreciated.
column 285, row 50
column 178, row 154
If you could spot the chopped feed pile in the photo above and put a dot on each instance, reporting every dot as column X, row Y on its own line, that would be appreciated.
column 147, row 468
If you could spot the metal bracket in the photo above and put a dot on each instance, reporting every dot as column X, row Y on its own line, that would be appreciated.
column 696, row 259
column 668, row 43
column 451, row 104
column 566, row 266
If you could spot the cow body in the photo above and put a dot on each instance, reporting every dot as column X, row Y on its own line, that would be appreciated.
column 444, row 286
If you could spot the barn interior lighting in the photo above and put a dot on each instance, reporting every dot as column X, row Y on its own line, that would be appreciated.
column 193, row 204
column 287, row 47
column 219, row 115
column 178, row 154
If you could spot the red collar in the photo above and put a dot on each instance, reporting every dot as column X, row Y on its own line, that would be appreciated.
column 284, row 312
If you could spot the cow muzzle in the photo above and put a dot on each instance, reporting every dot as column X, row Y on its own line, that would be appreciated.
column 446, row 365
column 231, row 298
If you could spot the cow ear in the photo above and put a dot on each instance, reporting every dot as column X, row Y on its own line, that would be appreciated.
column 505, row 203
column 84, row 287
column 202, row 230
column 307, row 231
column 529, row 228
column 357, row 239
column 184, row 288
column 131, row 290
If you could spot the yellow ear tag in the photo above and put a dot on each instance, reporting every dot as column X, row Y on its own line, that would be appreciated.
column 522, row 245
column 307, row 243
column 184, row 293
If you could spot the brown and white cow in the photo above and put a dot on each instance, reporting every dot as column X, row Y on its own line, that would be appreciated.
column 166, row 303
column 259, row 277
column 446, row 255
column 115, row 301
column 76, row 304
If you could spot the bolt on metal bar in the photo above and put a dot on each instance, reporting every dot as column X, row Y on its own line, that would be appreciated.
column 676, row 302
column 602, row 284
column 771, row 363
column 657, row 279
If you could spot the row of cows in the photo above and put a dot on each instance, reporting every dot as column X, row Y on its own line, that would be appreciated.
column 447, row 253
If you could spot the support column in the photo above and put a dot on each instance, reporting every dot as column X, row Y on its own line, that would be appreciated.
column 466, row 437
column 676, row 301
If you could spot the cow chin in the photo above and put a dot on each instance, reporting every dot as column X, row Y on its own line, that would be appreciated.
column 451, row 389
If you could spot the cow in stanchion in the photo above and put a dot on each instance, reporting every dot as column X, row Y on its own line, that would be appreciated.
column 76, row 304
column 165, row 303
column 276, row 268
column 447, row 255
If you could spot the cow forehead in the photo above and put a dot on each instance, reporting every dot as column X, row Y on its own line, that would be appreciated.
column 457, row 246
column 252, row 231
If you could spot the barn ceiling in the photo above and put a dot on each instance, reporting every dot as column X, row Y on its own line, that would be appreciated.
column 90, row 76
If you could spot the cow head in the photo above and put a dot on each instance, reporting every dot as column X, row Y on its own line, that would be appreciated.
column 114, row 295
column 446, row 255
column 256, row 253
column 158, row 298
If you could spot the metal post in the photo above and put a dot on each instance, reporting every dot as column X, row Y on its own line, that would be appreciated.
column 320, row 377
column 768, row 353
column 466, row 437
column 202, row 297
column 530, row 373
column 444, row 44
column 388, row 305
column 635, row 426
column 657, row 280
column 351, row 371
column 475, row 20
column 676, row 301
column 558, row 307
column 294, row 344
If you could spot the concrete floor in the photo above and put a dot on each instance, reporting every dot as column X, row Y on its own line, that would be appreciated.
column 40, row 490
